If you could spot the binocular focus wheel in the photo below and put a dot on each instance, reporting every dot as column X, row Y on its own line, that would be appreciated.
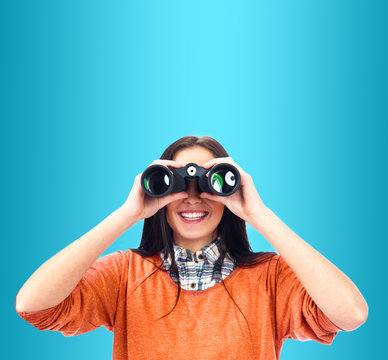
column 191, row 170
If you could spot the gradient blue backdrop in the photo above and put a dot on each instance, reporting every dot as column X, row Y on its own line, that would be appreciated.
column 92, row 92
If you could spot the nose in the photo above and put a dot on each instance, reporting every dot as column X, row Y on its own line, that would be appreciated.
column 193, row 193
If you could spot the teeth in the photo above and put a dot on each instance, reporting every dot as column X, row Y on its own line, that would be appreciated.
column 196, row 215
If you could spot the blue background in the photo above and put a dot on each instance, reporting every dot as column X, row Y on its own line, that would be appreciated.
column 92, row 92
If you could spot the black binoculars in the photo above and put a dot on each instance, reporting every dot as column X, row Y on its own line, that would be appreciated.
column 160, row 180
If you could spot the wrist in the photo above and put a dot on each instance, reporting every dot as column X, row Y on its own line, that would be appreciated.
column 259, row 217
column 127, row 218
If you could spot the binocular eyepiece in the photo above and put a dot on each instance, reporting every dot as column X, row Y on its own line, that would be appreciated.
column 159, row 180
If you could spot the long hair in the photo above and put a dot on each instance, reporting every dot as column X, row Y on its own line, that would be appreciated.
column 157, row 234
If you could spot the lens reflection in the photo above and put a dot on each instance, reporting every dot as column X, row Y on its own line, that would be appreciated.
column 223, row 181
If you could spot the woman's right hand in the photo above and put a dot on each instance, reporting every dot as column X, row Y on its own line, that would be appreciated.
column 141, row 206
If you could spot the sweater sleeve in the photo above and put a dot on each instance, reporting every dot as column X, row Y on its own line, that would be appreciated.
column 90, row 305
column 297, row 315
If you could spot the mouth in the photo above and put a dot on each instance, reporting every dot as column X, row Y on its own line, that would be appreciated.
column 193, row 217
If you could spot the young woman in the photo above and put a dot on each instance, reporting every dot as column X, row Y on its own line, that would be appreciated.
column 194, row 288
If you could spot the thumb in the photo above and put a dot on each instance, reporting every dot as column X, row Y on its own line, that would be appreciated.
column 173, row 197
column 206, row 195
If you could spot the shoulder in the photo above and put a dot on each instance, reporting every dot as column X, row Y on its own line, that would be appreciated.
column 264, row 260
column 262, row 266
column 279, row 269
column 134, row 255
column 140, row 265
column 126, row 259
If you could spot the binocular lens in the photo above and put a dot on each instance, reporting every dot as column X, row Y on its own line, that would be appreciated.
column 157, row 182
column 223, row 181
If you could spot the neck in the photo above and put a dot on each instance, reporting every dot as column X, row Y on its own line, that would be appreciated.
column 194, row 245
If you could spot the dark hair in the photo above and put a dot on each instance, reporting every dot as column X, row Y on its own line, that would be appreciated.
column 158, row 236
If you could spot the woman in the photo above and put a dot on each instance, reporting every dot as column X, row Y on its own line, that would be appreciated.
column 194, row 288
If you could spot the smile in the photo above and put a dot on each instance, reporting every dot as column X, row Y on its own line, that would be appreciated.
column 192, row 217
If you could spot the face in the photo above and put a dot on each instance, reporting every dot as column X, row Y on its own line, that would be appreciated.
column 188, row 233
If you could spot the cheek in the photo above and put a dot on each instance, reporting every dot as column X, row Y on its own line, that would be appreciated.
column 171, row 210
column 220, row 211
column 170, row 215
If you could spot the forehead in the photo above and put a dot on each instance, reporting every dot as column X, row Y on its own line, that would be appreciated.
column 195, row 154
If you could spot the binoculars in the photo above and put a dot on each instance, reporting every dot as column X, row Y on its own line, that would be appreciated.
column 160, row 180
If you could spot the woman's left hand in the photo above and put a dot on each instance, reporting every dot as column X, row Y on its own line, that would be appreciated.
column 245, row 202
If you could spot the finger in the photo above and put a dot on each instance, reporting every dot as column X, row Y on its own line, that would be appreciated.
column 167, row 162
column 173, row 197
column 228, row 160
column 137, row 180
column 209, row 163
column 172, row 163
column 217, row 161
column 205, row 195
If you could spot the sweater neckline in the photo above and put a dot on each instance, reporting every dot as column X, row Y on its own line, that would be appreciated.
column 228, row 279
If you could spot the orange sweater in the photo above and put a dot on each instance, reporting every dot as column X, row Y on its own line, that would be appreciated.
column 205, row 324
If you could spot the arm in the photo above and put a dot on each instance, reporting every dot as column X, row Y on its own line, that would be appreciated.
column 334, row 293
column 53, row 281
